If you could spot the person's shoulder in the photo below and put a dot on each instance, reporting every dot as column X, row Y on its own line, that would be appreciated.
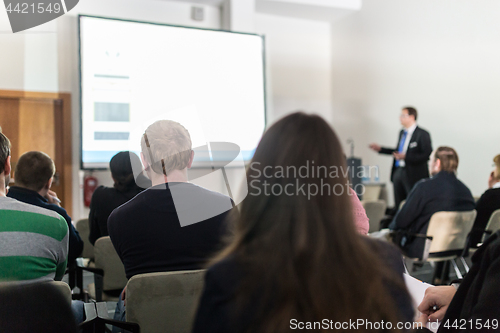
column 213, row 194
column 388, row 252
column 381, row 247
column 491, row 193
column 424, row 183
column 421, row 130
column 45, row 220
column 129, row 207
column 225, row 272
column 22, row 207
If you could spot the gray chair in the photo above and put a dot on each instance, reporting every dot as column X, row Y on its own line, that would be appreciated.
column 109, row 272
column 82, row 226
column 164, row 302
column 64, row 288
column 493, row 224
column 375, row 210
column 446, row 237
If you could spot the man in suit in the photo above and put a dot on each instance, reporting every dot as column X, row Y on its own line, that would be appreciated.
column 442, row 192
column 410, row 156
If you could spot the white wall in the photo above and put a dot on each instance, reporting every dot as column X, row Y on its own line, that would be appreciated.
column 298, row 63
column 441, row 57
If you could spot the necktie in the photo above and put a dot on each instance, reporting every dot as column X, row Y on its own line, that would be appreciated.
column 401, row 145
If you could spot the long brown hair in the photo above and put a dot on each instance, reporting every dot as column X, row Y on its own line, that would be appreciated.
column 300, row 253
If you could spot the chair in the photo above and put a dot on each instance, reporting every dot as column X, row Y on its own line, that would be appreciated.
column 64, row 288
column 164, row 302
column 493, row 224
column 447, row 237
column 82, row 226
column 109, row 272
column 36, row 307
column 375, row 210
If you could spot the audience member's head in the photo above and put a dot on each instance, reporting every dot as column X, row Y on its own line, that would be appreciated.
column 443, row 159
column 36, row 308
column 122, row 167
column 4, row 162
column 408, row 116
column 495, row 174
column 35, row 171
column 302, row 243
column 4, row 153
column 166, row 148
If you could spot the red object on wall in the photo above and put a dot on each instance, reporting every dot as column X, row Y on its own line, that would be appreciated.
column 89, row 186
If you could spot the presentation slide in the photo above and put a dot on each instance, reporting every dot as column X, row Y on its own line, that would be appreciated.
column 134, row 73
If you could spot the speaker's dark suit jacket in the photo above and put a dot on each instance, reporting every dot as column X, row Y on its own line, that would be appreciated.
column 417, row 155
column 442, row 192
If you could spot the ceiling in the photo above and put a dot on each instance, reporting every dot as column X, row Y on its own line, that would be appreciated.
column 319, row 10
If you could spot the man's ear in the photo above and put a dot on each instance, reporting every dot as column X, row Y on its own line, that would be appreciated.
column 7, row 169
column 438, row 164
column 49, row 183
column 191, row 160
column 145, row 163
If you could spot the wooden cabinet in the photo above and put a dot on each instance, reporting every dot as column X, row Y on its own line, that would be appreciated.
column 41, row 121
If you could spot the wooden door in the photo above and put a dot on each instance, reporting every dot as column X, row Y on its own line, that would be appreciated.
column 41, row 121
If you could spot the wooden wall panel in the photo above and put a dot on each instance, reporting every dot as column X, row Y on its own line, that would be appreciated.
column 9, row 121
column 41, row 121
column 36, row 118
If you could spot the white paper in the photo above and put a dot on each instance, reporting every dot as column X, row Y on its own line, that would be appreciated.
column 417, row 289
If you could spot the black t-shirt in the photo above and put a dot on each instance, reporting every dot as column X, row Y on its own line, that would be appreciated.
column 169, row 227
column 486, row 205
column 104, row 201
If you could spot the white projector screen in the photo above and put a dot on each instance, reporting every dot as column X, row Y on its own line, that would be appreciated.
column 134, row 73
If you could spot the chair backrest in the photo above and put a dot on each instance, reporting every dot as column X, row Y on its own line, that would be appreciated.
column 372, row 193
column 164, row 302
column 493, row 224
column 108, row 260
column 82, row 226
column 449, row 230
column 375, row 210
column 35, row 307
column 64, row 288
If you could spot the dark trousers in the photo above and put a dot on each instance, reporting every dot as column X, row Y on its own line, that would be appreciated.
column 401, row 185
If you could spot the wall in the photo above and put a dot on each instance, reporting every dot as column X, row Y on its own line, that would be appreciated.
column 298, row 63
column 439, row 56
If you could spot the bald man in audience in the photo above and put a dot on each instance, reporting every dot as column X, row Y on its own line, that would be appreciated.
column 173, row 225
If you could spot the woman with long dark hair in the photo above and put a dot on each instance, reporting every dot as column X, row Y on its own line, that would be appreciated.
column 125, row 187
column 295, row 260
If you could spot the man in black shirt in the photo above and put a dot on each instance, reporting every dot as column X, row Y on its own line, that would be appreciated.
column 173, row 225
